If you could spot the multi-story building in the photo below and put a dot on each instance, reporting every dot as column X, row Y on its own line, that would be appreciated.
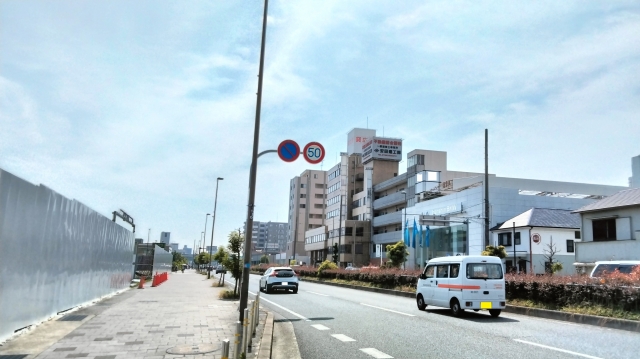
column 186, row 250
column 165, row 237
column 174, row 246
column 634, row 180
column 268, row 237
column 306, row 212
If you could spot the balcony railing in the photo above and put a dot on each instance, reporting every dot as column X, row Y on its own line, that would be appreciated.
column 390, row 200
column 387, row 219
column 392, row 182
column 589, row 252
column 388, row 237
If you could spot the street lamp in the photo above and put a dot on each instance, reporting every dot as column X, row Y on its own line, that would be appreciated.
column 148, row 233
column 215, row 204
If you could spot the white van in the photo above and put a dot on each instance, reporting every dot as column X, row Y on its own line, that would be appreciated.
column 607, row 267
column 463, row 282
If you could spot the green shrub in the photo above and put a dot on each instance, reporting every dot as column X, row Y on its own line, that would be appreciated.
column 326, row 265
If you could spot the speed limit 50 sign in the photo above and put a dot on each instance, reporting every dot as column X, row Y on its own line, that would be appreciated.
column 313, row 153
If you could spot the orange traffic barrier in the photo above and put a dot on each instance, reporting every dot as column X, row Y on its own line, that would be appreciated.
column 141, row 284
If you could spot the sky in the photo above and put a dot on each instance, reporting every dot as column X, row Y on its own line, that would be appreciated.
column 141, row 105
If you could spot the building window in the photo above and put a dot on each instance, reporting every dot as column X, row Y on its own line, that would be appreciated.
column 604, row 229
column 358, row 248
column 319, row 185
column 302, row 195
column 315, row 175
column 319, row 195
column 318, row 205
column 504, row 239
column 302, row 205
column 359, row 231
column 516, row 238
column 301, row 185
column 577, row 235
column 570, row 248
column 348, row 231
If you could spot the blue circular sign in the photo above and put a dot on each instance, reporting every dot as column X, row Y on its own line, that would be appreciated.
column 288, row 150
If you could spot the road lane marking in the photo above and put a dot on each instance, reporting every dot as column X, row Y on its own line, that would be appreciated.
column 324, row 295
column 557, row 349
column 388, row 310
column 343, row 338
column 283, row 308
column 320, row 327
column 376, row 353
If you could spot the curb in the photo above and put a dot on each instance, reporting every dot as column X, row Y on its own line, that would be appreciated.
column 613, row 323
column 267, row 338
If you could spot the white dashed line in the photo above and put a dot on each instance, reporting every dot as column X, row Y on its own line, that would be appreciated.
column 389, row 310
column 557, row 349
column 320, row 327
column 376, row 353
column 324, row 295
column 343, row 338
column 283, row 308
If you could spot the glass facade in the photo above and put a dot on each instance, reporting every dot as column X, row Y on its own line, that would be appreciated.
column 445, row 241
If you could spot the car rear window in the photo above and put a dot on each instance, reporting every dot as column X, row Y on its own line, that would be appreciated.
column 484, row 271
column 604, row 269
column 284, row 273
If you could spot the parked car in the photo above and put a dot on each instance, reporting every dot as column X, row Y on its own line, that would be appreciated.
column 276, row 278
column 351, row 268
column 608, row 267
column 220, row 269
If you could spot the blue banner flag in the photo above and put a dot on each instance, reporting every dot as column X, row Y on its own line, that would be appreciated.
column 415, row 233
column 426, row 237
column 406, row 233
column 421, row 238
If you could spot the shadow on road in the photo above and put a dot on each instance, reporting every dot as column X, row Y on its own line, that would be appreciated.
column 479, row 317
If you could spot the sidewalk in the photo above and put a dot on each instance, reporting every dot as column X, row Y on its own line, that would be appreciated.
column 182, row 315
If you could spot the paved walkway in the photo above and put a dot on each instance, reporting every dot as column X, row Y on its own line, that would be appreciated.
column 184, row 311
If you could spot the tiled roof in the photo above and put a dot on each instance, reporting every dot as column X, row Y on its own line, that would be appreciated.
column 544, row 217
column 628, row 197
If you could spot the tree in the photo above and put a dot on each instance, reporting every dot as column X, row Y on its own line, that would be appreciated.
column 178, row 260
column 222, row 257
column 498, row 251
column 397, row 254
column 550, row 266
column 264, row 259
column 335, row 253
column 233, row 260
column 202, row 258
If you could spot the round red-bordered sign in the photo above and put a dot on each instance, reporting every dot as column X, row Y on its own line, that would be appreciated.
column 313, row 152
column 535, row 238
column 288, row 150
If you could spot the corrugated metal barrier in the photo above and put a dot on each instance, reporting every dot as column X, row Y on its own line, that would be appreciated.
column 55, row 253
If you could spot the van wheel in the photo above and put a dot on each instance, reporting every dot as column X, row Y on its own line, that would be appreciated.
column 267, row 289
column 420, row 302
column 455, row 308
column 495, row 312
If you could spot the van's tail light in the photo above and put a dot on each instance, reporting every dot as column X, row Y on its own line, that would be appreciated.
column 296, row 274
column 468, row 304
column 503, row 304
column 273, row 274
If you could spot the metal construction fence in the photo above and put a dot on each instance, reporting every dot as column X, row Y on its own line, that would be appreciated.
column 55, row 253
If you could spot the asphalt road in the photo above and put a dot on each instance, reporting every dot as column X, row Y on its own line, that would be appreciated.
column 334, row 322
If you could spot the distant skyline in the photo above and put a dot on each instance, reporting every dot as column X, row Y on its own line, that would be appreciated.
column 142, row 105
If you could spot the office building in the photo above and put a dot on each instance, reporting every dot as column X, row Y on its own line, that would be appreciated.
column 165, row 237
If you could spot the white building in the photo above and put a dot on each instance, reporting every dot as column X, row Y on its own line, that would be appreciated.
column 610, row 229
column 533, row 236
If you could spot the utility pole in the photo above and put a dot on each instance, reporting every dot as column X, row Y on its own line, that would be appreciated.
column 244, row 291
column 486, row 187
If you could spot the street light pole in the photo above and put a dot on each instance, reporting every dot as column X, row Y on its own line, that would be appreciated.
column 213, row 226
column 148, row 233
column 244, row 291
